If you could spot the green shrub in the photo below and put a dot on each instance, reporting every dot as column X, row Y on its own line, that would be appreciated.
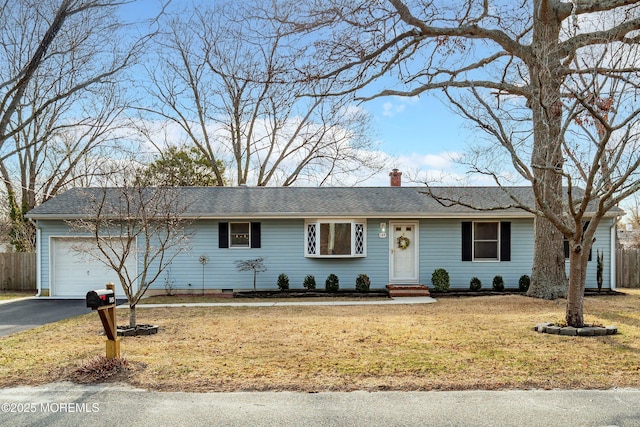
column 363, row 283
column 332, row 283
column 524, row 282
column 440, row 280
column 309, row 282
column 283, row 282
column 475, row 284
column 498, row 284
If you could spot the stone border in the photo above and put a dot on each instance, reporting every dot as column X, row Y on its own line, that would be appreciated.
column 128, row 331
column 586, row 331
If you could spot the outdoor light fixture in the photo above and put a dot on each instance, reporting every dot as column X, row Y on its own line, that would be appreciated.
column 383, row 230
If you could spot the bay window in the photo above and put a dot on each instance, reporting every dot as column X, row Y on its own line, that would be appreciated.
column 335, row 238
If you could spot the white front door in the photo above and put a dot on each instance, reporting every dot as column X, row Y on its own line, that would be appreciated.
column 403, row 247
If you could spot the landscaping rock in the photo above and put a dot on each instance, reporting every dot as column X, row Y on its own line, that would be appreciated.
column 599, row 332
column 568, row 330
column 553, row 330
column 128, row 331
column 585, row 332
column 541, row 327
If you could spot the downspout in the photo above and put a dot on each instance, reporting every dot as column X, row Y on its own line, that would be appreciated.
column 38, row 260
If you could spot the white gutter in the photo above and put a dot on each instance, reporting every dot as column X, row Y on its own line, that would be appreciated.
column 614, row 246
column 38, row 255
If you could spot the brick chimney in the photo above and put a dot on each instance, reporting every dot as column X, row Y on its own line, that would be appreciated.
column 396, row 178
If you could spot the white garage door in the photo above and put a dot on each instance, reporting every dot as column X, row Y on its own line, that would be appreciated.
column 73, row 273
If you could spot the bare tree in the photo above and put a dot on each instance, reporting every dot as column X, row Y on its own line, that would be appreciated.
column 146, row 224
column 254, row 265
column 63, row 65
column 524, row 75
column 229, row 80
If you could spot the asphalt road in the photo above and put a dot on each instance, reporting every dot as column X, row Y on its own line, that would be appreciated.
column 65, row 404
column 25, row 314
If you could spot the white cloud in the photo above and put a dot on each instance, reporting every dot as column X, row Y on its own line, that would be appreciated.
column 389, row 109
column 397, row 105
column 441, row 161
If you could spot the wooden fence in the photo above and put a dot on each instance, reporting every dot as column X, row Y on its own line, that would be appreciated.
column 18, row 271
column 628, row 268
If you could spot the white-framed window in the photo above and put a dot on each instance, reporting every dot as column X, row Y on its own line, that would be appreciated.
column 335, row 238
column 486, row 241
column 239, row 235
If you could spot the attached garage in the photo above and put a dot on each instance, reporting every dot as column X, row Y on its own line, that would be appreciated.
column 74, row 273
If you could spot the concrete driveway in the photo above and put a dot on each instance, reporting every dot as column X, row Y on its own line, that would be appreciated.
column 16, row 316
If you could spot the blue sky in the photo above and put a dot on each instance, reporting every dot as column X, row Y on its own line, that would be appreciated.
column 418, row 133
column 421, row 132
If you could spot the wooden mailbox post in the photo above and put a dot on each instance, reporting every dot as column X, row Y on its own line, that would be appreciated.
column 104, row 301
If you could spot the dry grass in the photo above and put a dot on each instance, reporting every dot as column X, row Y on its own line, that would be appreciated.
column 457, row 343
column 5, row 295
column 188, row 299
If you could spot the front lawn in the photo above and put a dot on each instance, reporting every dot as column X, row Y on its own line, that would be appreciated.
column 6, row 295
column 456, row 343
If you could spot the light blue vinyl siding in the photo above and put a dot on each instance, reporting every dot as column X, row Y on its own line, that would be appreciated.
column 283, row 243
column 441, row 247
column 282, row 247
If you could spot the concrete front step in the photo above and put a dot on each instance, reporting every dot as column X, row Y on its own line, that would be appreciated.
column 407, row 291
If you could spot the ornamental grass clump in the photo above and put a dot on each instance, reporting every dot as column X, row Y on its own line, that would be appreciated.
column 475, row 284
column 332, row 284
column 309, row 282
column 440, row 280
column 363, row 283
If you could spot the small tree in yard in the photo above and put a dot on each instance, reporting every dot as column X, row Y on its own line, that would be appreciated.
column 255, row 265
column 144, row 223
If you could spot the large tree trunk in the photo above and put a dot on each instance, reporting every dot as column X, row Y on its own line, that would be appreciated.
column 548, row 278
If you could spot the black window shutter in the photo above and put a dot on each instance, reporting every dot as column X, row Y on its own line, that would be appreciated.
column 255, row 234
column 223, row 234
column 505, row 241
column 467, row 243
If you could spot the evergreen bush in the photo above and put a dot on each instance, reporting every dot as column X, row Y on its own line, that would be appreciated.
column 440, row 280
column 363, row 283
column 283, row 282
column 332, row 284
column 309, row 282
column 524, row 282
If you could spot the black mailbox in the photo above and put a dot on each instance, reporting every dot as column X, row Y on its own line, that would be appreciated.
column 100, row 298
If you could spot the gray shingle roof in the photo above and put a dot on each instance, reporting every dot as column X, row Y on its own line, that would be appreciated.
column 308, row 202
